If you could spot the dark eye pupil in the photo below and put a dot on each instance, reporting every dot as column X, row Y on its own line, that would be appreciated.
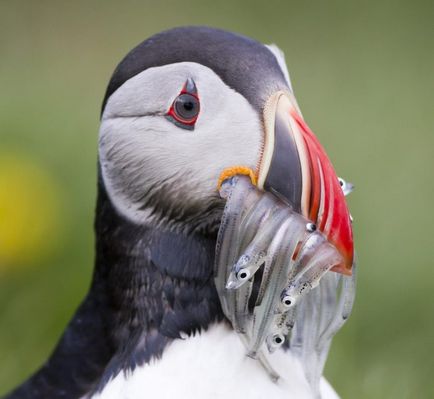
column 187, row 106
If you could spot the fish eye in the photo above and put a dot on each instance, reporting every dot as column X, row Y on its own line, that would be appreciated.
column 310, row 227
column 288, row 301
column 243, row 275
column 278, row 339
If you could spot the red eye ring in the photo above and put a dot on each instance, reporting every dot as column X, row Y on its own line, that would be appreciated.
column 185, row 109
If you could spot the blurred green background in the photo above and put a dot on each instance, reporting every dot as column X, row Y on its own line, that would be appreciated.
column 363, row 75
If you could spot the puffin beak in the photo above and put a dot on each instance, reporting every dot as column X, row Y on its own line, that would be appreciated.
column 295, row 167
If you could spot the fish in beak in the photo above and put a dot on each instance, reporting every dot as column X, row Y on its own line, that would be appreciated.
column 295, row 167
column 281, row 233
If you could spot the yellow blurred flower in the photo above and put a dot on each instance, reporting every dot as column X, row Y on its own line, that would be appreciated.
column 29, row 212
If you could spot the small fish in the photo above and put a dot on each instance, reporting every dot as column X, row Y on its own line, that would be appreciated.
column 270, row 262
column 347, row 187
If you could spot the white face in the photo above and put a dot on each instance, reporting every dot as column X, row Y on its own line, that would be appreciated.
column 155, row 171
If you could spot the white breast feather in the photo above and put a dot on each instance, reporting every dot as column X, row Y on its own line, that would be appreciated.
column 211, row 365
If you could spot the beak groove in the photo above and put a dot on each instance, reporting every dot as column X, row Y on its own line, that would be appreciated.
column 295, row 166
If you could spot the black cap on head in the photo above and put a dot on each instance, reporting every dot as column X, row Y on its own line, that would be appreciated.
column 243, row 64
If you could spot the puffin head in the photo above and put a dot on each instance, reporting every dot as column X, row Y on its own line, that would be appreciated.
column 192, row 106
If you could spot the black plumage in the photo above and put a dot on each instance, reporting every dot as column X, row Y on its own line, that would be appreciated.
column 242, row 63
column 149, row 284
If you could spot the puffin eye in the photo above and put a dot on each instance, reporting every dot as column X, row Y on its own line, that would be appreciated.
column 186, row 107
column 184, row 110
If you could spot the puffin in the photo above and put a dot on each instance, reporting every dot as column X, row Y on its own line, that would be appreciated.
column 180, row 108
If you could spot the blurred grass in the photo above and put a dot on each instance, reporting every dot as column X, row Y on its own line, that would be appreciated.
column 363, row 75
